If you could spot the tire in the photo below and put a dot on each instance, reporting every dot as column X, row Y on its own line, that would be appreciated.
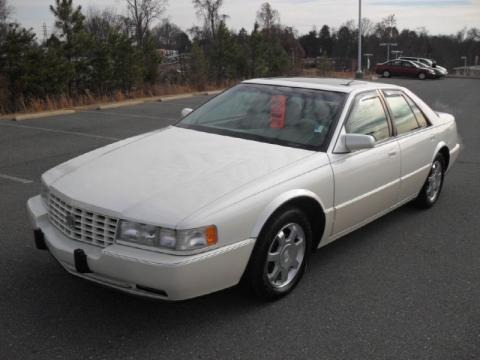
column 386, row 74
column 430, row 192
column 278, row 262
column 422, row 76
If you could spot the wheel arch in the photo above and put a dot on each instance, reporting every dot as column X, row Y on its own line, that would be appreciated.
column 305, row 200
column 443, row 149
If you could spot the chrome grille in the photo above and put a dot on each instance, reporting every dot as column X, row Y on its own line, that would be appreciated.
column 80, row 224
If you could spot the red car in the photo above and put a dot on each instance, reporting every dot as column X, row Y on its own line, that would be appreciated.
column 404, row 68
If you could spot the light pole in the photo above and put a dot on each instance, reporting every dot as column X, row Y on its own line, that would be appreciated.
column 464, row 58
column 388, row 48
column 359, row 73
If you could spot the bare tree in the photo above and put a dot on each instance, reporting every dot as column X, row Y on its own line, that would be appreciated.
column 367, row 26
column 100, row 23
column 387, row 28
column 209, row 11
column 268, row 17
column 5, row 10
column 142, row 13
column 166, row 34
column 473, row 34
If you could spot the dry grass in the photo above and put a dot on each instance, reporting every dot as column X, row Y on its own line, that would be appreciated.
column 51, row 103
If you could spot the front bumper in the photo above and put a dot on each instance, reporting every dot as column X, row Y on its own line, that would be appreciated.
column 143, row 272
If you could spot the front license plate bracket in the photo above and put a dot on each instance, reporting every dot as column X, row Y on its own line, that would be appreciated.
column 81, row 263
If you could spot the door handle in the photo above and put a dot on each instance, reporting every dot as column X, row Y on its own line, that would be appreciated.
column 392, row 153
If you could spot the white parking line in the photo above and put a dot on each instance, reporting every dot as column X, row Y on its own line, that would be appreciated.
column 59, row 131
column 14, row 178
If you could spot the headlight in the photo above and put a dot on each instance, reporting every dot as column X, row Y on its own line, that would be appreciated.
column 156, row 237
column 44, row 192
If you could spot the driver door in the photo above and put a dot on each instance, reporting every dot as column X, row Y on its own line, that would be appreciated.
column 367, row 182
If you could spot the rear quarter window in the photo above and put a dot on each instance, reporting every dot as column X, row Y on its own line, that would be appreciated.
column 403, row 116
column 419, row 115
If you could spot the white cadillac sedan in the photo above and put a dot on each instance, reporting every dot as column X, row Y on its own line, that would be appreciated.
column 245, row 187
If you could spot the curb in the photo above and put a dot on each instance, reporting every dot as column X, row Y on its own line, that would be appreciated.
column 118, row 104
column 21, row 117
column 113, row 105
column 463, row 77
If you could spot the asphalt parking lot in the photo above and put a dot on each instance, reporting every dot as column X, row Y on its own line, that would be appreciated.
column 406, row 286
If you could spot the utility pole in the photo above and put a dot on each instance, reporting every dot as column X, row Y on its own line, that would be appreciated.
column 45, row 35
column 359, row 74
column 388, row 48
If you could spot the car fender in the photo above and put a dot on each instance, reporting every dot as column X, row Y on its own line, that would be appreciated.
column 440, row 145
column 278, row 202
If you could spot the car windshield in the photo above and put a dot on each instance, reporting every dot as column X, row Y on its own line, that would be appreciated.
column 275, row 114
column 421, row 65
column 427, row 62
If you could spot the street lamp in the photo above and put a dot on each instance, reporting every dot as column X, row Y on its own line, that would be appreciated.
column 388, row 48
column 359, row 73
column 464, row 58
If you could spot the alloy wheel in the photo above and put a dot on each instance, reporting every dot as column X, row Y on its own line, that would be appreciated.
column 434, row 181
column 285, row 256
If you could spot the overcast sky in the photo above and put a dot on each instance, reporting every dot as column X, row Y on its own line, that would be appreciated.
column 438, row 16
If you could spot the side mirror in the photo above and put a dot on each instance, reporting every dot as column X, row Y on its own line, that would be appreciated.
column 354, row 142
column 186, row 111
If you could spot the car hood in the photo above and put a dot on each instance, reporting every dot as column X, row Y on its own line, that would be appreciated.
column 167, row 175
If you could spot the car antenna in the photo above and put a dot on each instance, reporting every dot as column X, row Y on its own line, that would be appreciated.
column 348, row 83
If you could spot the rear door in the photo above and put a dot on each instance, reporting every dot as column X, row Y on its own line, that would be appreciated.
column 396, row 67
column 367, row 182
column 408, row 69
column 417, row 143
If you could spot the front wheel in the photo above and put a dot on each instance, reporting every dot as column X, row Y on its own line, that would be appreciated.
column 430, row 192
column 280, row 255
column 386, row 74
column 422, row 76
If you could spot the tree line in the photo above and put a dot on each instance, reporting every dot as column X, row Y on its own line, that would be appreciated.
column 101, row 52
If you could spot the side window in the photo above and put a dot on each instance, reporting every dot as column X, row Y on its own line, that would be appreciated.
column 407, row 64
column 421, row 119
column 368, row 118
column 403, row 117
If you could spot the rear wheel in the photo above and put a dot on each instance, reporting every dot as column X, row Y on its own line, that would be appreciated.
column 430, row 192
column 280, row 255
column 422, row 76
column 386, row 74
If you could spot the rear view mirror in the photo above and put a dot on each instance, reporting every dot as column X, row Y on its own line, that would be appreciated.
column 186, row 111
column 354, row 142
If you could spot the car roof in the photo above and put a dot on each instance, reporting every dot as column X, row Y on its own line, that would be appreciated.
column 414, row 57
column 329, row 84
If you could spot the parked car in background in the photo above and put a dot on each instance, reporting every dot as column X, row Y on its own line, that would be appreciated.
column 404, row 68
column 438, row 73
column 429, row 62
column 247, row 186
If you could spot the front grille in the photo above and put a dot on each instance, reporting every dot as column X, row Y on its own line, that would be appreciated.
column 80, row 224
